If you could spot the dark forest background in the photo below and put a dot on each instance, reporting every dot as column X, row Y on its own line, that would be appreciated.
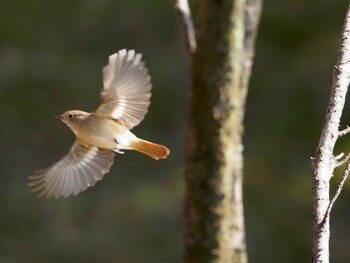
column 51, row 56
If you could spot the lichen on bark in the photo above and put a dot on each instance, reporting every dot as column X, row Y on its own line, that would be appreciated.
column 214, row 224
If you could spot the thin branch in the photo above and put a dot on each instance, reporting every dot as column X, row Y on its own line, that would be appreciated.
column 341, row 162
column 186, row 25
column 338, row 157
column 337, row 193
column 344, row 132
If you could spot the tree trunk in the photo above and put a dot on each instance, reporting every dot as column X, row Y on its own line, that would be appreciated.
column 214, row 222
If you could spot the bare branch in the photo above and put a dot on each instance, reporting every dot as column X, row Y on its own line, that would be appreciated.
column 324, row 159
column 186, row 25
column 338, row 157
column 341, row 162
column 337, row 193
column 344, row 132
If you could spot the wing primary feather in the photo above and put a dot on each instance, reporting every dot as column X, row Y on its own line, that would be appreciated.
column 50, row 179
column 81, row 168
column 126, row 84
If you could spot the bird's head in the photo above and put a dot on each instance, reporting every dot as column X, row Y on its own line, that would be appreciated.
column 73, row 118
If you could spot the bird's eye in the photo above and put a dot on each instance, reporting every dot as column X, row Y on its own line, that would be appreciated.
column 70, row 116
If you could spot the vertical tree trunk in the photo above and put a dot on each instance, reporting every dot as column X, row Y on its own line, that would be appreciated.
column 214, row 222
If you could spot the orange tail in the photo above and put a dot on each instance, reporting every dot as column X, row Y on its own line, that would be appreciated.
column 156, row 151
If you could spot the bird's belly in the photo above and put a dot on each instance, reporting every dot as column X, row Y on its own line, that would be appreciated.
column 102, row 142
column 106, row 134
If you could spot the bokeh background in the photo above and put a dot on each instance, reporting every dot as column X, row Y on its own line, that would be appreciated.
column 51, row 55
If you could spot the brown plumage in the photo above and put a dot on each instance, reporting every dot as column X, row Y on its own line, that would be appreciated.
column 99, row 135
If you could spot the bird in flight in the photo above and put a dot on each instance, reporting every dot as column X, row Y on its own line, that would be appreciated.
column 125, row 99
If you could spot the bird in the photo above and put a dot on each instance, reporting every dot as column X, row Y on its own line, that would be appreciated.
column 99, row 135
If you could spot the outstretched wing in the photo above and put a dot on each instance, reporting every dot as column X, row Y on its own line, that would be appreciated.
column 80, row 169
column 126, row 88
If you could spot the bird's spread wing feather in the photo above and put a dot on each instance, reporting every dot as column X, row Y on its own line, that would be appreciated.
column 81, row 168
column 126, row 89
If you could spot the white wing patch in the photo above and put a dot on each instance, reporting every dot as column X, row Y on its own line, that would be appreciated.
column 117, row 113
column 126, row 88
column 80, row 169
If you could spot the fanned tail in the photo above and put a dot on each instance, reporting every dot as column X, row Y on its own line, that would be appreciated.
column 156, row 151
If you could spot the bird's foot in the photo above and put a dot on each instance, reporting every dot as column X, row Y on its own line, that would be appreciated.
column 118, row 151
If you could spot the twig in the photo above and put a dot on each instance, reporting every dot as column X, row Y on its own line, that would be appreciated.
column 341, row 162
column 186, row 25
column 337, row 193
column 338, row 157
column 344, row 132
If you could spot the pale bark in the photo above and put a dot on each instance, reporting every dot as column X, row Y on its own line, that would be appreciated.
column 186, row 25
column 324, row 161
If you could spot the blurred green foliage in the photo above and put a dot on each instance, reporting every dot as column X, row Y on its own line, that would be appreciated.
column 51, row 56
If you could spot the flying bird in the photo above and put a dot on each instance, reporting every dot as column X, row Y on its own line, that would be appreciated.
column 125, row 99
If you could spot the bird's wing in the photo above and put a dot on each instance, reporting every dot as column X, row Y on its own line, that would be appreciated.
column 81, row 168
column 126, row 89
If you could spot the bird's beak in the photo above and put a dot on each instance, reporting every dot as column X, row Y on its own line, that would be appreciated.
column 59, row 117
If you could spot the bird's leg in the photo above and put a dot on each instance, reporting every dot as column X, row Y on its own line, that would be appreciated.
column 116, row 149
